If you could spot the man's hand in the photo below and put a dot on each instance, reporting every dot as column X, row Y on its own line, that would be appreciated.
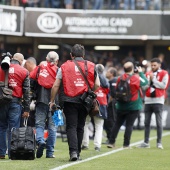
column 26, row 114
column 151, row 76
column 51, row 105
column 139, row 68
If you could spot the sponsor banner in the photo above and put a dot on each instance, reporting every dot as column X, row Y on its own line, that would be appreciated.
column 165, row 119
column 11, row 20
column 165, row 25
column 105, row 24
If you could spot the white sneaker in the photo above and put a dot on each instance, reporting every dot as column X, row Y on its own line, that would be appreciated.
column 143, row 145
column 159, row 146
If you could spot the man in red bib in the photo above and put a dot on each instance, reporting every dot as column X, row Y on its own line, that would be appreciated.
column 45, row 75
column 73, row 86
column 10, row 114
column 154, row 100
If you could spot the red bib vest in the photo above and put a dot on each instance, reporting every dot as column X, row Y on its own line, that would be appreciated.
column 73, row 81
column 46, row 76
column 158, row 92
column 17, row 75
column 102, row 95
column 134, row 85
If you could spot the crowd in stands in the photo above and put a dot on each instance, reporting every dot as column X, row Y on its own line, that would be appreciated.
column 93, row 4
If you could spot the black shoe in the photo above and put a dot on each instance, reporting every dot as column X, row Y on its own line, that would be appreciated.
column 73, row 156
column 52, row 156
column 40, row 150
column 105, row 143
column 2, row 157
column 84, row 147
column 97, row 149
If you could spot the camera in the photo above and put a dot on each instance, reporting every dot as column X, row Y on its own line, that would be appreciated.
column 5, row 62
column 87, row 98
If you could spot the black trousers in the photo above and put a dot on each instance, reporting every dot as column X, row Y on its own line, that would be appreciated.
column 124, row 116
column 111, row 119
column 75, row 114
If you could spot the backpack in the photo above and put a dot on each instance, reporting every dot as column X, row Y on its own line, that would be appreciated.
column 123, row 92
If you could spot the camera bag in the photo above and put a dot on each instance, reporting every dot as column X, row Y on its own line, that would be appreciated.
column 23, row 143
column 5, row 92
column 93, row 107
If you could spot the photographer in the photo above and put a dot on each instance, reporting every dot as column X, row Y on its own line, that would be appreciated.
column 19, row 83
column 154, row 100
column 45, row 75
column 128, row 110
column 72, row 88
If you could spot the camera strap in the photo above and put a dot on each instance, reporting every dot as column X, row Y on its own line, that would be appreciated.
column 6, row 78
column 85, row 78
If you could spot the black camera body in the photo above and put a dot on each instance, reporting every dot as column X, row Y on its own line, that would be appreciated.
column 5, row 60
column 87, row 99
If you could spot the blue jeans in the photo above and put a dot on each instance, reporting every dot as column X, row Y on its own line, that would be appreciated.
column 42, row 118
column 98, row 4
column 54, row 3
column 12, row 115
column 129, row 2
column 157, row 109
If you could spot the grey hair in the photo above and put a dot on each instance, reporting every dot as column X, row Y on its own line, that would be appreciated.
column 99, row 68
column 52, row 57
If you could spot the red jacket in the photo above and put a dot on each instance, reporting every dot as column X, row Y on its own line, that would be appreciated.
column 73, row 81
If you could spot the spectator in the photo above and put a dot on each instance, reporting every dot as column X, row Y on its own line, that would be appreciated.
column 15, row 2
column 129, row 4
column 68, row 4
column 98, row 4
column 11, row 113
column 99, row 119
column 154, row 100
column 128, row 111
column 73, row 87
column 111, row 110
column 46, row 77
column 162, row 59
column 156, row 4
column 52, row 3
column 114, row 3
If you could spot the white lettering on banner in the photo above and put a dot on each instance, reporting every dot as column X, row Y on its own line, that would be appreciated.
column 97, row 25
column 126, row 22
column 8, row 21
column 92, row 21
column 49, row 22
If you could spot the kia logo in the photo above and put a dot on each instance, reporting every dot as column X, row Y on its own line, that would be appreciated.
column 49, row 22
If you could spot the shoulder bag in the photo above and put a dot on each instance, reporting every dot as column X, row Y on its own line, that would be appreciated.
column 5, row 92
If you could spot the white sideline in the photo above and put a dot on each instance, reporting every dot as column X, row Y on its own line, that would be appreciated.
column 105, row 154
